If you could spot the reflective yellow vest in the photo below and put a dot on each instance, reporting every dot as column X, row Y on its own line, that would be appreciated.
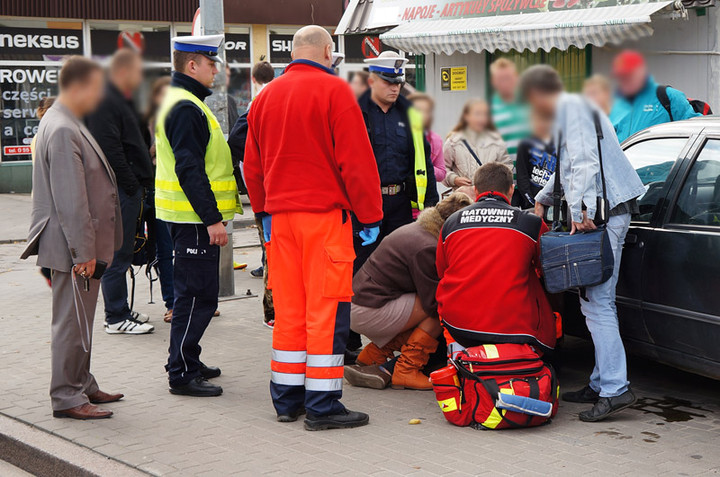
column 420, row 168
column 171, row 203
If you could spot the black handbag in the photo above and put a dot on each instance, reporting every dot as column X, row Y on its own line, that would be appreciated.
column 583, row 259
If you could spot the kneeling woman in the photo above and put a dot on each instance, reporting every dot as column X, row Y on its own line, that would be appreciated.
column 394, row 303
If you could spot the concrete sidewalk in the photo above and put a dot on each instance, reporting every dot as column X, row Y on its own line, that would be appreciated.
column 673, row 431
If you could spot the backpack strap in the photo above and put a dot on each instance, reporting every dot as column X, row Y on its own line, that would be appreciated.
column 662, row 96
column 472, row 153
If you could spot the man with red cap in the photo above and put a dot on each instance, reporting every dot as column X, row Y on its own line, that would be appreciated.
column 641, row 102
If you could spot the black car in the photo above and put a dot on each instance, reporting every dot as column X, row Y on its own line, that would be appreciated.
column 668, row 295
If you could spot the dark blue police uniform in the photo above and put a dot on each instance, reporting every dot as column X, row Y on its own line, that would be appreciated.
column 196, row 261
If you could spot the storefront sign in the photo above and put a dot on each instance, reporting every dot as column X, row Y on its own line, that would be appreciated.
column 131, row 39
column 237, row 47
column 39, row 44
column 453, row 78
column 281, row 47
column 21, row 89
column 393, row 12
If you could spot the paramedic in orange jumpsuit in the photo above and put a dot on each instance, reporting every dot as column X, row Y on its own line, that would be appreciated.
column 308, row 164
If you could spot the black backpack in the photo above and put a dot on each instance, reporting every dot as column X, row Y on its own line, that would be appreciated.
column 698, row 105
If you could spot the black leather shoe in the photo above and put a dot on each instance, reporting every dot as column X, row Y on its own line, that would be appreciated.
column 607, row 406
column 209, row 372
column 199, row 387
column 291, row 417
column 346, row 420
column 586, row 394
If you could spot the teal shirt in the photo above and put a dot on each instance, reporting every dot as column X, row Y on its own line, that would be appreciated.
column 511, row 121
column 645, row 110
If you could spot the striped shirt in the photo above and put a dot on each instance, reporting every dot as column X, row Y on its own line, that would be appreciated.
column 511, row 122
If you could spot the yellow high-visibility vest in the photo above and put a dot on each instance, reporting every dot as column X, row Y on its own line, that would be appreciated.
column 420, row 167
column 171, row 203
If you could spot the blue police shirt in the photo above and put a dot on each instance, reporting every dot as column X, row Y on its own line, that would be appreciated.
column 391, row 144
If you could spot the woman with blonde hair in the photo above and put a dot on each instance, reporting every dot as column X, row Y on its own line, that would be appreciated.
column 474, row 141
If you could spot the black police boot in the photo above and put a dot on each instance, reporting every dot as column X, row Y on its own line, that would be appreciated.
column 209, row 372
column 607, row 406
column 292, row 417
column 345, row 420
column 198, row 387
column 586, row 394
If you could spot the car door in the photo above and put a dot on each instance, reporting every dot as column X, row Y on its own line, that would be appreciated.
column 657, row 161
column 681, row 266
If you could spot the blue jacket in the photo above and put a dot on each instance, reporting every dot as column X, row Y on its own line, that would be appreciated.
column 579, row 161
column 629, row 116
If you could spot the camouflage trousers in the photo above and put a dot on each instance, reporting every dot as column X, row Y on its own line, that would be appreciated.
column 268, row 308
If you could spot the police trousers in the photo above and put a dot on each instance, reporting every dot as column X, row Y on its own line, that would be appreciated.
column 196, row 287
column 310, row 257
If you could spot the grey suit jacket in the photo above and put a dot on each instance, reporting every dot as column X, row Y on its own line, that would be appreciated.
column 76, row 212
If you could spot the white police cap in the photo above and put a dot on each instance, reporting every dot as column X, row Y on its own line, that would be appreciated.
column 389, row 65
column 206, row 45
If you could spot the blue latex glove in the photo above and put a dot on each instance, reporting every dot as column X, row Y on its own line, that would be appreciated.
column 369, row 235
column 267, row 227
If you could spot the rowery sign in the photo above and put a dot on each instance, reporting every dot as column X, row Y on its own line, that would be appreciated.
column 393, row 12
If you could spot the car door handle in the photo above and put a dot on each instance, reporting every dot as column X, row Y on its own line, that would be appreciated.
column 632, row 240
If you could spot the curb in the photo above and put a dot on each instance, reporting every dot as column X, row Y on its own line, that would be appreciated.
column 44, row 454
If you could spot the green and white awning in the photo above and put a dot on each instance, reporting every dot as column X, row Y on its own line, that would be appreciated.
column 533, row 31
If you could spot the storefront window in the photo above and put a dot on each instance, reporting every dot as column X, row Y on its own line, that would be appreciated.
column 572, row 64
column 152, row 40
column 30, row 55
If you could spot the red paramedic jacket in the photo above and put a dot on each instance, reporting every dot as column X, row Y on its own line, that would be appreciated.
column 307, row 147
column 488, row 261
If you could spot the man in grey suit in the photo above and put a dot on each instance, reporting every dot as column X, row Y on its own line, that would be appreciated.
column 76, row 225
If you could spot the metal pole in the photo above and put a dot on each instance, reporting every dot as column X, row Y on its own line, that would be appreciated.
column 213, row 23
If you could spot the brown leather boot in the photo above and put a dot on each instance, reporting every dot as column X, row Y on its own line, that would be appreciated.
column 100, row 397
column 83, row 412
column 372, row 354
column 413, row 357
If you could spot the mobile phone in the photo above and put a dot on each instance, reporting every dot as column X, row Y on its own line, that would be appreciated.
column 100, row 268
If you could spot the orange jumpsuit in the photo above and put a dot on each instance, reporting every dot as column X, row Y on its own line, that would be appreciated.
column 308, row 164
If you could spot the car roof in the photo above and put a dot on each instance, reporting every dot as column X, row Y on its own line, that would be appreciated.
column 687, row 127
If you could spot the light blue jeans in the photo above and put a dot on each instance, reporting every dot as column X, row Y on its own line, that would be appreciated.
column 609, row 377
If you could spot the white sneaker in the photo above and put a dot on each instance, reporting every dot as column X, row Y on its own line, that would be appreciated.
column 129, row 327
column 139, row 317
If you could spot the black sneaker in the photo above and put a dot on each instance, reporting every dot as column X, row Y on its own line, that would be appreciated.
column 585, row 395
column 209, row 372
column 607, row 406
column 345, row 420
column 292, row 417
column 198, row 387
column 259, row 272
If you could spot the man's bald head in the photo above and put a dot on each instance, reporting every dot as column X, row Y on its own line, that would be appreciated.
column 313, row 43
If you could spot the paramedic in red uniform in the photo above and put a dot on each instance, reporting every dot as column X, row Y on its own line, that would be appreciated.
column 487, row 261
column 308, row 164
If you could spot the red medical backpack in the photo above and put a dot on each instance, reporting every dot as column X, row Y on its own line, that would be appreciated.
column 497, row 387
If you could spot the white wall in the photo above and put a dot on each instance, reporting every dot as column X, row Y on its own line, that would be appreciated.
column 448, row 104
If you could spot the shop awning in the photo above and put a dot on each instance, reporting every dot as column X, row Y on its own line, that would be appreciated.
column 532, row 31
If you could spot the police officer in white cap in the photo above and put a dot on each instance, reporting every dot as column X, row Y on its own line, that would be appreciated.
column 195, row 193
column 401, row 150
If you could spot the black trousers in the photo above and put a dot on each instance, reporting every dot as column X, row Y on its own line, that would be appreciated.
column 196, row 298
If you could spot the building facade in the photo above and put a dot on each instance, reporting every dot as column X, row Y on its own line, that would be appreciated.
column 36, row 35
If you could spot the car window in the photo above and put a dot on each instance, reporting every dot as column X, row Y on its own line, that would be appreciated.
column 653, row 159
column 699, row 199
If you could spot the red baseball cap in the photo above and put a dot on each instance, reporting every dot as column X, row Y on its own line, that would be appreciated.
column 627, row 61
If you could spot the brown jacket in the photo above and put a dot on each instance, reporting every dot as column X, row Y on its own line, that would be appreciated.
column 404, row 262
column 76, row 212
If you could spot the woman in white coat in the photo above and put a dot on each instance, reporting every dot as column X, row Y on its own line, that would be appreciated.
column 472, row 142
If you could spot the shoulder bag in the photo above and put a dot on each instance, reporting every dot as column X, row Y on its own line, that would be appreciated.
column 583, row 259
